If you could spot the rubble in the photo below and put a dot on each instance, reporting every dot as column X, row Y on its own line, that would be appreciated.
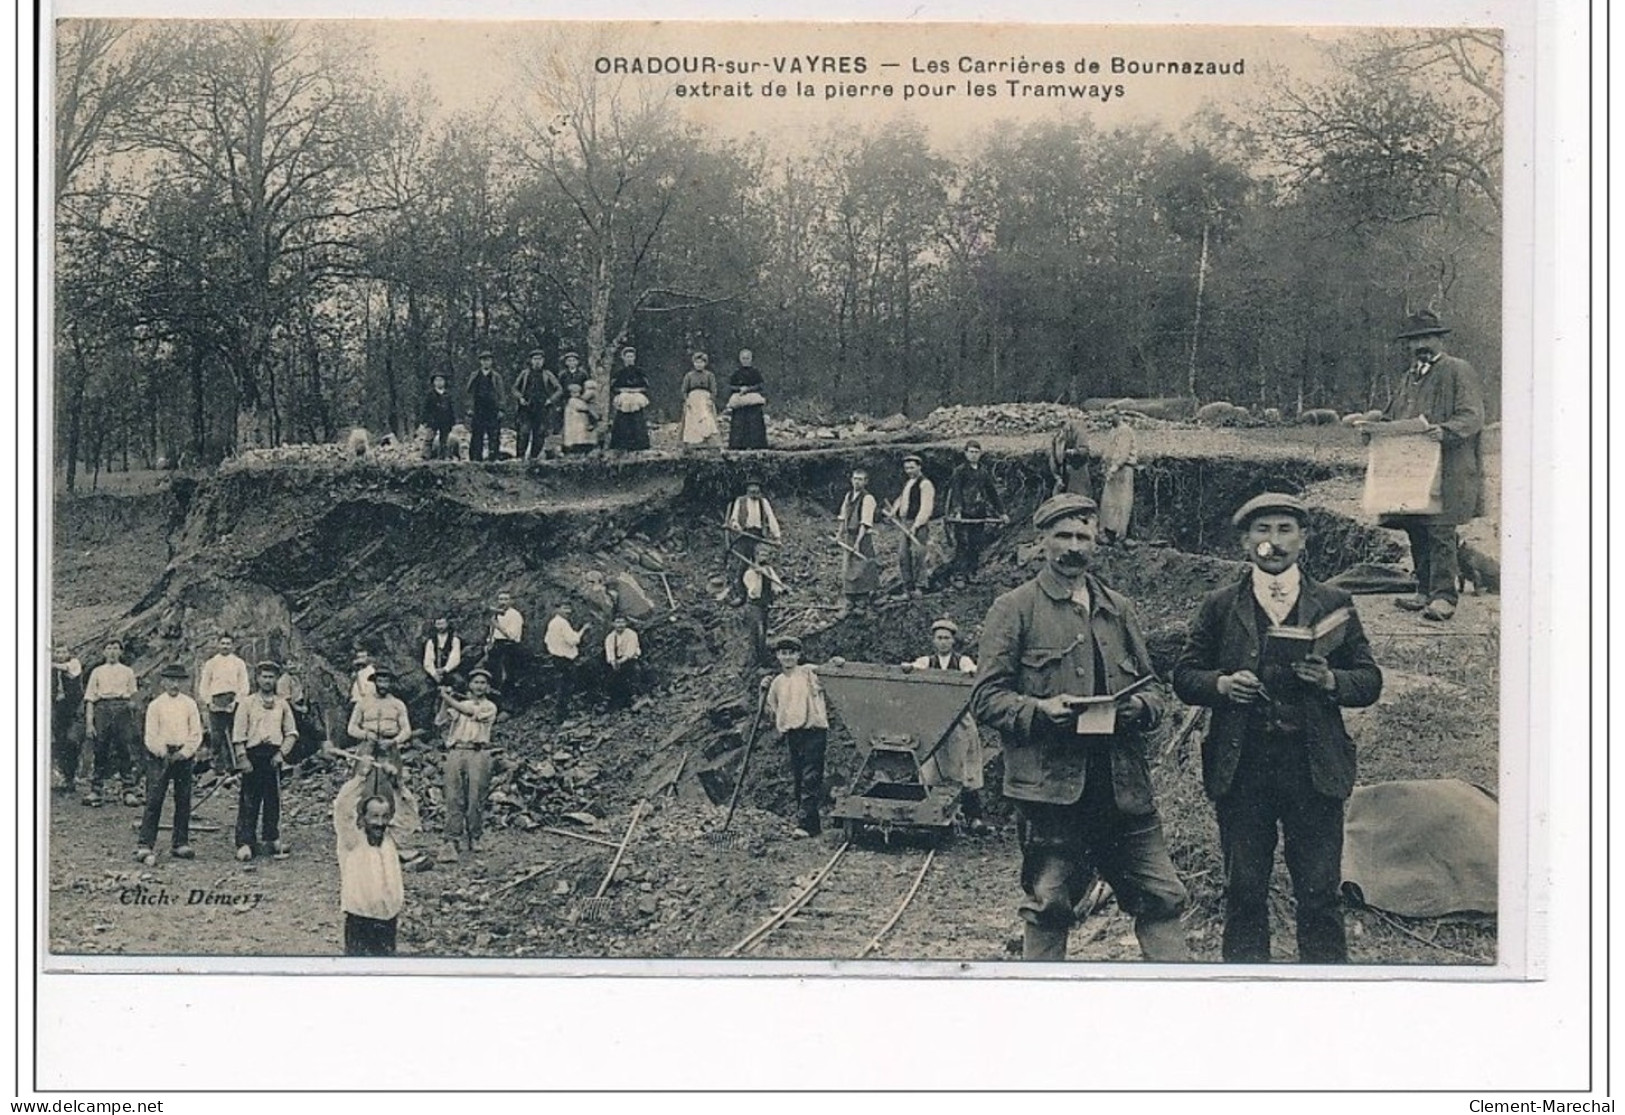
column 1007, row 418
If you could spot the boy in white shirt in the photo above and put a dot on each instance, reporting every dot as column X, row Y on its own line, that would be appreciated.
column 621, row 652
column 795, row 701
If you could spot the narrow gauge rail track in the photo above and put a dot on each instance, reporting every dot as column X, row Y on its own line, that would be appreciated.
column 834, row 916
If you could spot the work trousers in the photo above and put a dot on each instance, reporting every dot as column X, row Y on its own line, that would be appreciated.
column 807, row 747
column 369, row 936
column 532, row 435
column 970, row 539
column 911, row 564
column 65, row 740
column 1272, row 788
column 118, row 747
column 756, row 619
column 618, row 685
column 1061, row 845
column 502, row 660
column 161, row 774
column 1433, row 556
column 259, row 799
column 219, row 740
column 468, row 780
column 484, row 437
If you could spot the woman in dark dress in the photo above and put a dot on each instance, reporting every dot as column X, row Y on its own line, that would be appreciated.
column 747, row 409
column 628, row 400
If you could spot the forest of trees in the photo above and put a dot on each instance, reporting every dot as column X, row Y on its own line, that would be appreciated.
column 260, row 240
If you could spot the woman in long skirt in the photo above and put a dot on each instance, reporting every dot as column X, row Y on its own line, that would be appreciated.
column 747, row 407
column 700, row 404
column 629, row 399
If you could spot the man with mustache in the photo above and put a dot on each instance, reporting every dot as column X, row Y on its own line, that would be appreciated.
column 1445, row 390
column 371, row 891
column 1084, row 801
column 1277, row 753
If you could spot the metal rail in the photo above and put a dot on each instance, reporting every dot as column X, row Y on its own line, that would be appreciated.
column 783, row 915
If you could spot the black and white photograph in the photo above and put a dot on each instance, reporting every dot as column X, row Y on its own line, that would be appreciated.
column 1007, row 495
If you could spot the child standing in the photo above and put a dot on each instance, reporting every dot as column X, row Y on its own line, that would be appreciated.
column 795, row 701
column 579, row 421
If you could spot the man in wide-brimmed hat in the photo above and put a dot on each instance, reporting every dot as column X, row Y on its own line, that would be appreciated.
column 264, row 732
column 1445, row 390
column 174, row 732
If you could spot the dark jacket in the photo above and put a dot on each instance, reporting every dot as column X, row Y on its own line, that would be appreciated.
column 1030, row 649
column 1451, row 397
column 1225, row 638
column 487, row 393
column 439, row 411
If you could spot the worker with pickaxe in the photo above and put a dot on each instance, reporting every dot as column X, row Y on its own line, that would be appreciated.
column 912, row 511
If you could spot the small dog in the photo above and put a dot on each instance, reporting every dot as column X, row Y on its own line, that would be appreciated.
column 1477, row 568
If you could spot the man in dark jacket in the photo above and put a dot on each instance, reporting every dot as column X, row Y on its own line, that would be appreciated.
column 485, row 431
column 537, row 395
column 1444, row 389
column 973, row 509
column 1277, row 753
column 440, row 415
column 1084, row 799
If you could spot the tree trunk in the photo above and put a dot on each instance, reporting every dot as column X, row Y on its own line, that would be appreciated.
column 1196, row 320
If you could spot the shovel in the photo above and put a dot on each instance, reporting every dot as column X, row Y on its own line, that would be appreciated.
column 720, row 838
column 596, row 908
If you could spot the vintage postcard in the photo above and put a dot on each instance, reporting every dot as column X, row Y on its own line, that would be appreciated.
column 633, row 498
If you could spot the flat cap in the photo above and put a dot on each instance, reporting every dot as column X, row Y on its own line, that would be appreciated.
column 945, row 624
column 787, row 642
column 383, row 673
column 569, row 353
column 479, row 672
column 915, row 457
column 542, row 352
column 173, row 670
column 267, row 664
column 486, row 354
column 1061, row 506
column 1269, row 501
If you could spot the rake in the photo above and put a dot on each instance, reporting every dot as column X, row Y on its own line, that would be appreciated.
column 720, row 838
column 597, row 908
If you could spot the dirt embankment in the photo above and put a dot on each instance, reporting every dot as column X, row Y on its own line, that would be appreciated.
column 308, row 560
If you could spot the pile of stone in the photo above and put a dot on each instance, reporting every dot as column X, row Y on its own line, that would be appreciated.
column 1006, row 418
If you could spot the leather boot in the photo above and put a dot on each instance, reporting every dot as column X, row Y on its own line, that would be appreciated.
column 1041, row 943
column 1162, row 941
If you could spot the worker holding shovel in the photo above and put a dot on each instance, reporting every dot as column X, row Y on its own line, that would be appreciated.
column 795, row 702
column 855, row 534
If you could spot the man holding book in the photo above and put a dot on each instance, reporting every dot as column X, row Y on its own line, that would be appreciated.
column 1276, row 655
column 1081, row 783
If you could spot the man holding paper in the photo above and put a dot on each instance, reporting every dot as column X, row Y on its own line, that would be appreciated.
column 1444, row 391
column 1061, row 658
column 1277, row 754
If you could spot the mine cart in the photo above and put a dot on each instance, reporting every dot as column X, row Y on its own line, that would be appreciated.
column 900, row 718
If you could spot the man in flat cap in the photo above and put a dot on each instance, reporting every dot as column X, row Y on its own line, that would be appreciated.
column 912, row 512
column 379, row 728
column 795, row 704
column 1084, row 799
column 174, row 732
column 264, row 731
column 959, row 761
column 439, row 415
column 537, row 395
column 110, row 724
column 1277, row 754
column 1445, row 390
column 222, row 684
column 485, row 430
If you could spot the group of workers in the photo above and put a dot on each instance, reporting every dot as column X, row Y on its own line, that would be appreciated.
column 563, row 408
column 1054, row 654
